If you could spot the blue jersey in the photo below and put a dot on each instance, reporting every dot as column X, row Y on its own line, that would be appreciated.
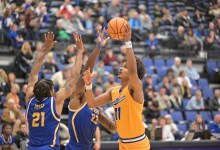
column 6, row 143
column 43, row 123
column 82, row 125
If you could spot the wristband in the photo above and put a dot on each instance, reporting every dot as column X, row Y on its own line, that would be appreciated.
column 128, row 44
column 88, row 87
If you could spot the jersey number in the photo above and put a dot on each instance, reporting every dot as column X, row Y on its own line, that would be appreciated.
column 118, row 113
column 38, row 118
column 94, row 118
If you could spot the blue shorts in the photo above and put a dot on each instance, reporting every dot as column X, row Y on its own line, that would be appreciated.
column 44, row 147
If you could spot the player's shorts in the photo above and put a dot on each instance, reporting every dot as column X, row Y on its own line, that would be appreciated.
column 44, row 147
column 78, row 147
column 139, row 145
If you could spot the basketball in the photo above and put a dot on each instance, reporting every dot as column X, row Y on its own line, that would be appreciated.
column 116, row 28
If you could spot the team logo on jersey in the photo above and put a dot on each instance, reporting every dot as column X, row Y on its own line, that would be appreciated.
column 119, row 100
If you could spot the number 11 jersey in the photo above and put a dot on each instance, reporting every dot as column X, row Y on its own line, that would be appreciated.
column 43, row 122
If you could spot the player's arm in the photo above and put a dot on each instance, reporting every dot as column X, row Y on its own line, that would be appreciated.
column 107, row 122
column 33, row 77
column 101, row 41
column 70, row 85
column 135, row 84
column 97, row 145
column 102, row 99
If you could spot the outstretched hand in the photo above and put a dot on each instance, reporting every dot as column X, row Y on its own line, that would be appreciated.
column 127, row 32
column 79, row 42
column 101, row 40
column 49, row 41
column 88, row 77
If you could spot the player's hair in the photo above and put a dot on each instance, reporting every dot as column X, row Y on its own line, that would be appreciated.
column 42, row 89
column 140, row 67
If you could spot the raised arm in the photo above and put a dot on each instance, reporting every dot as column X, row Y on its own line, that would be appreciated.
column 135, row 84
column 70, row 85
column 101, row 41
column 107, row 122
column 33, row 77
column 93, row 102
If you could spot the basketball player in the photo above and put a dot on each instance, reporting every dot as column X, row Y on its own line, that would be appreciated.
column 44, row 107
column 82, row 121
column 127, row 99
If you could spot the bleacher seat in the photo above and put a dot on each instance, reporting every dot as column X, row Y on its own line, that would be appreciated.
column 185, row 101
column 208, row 93
column 170, row 63
column 48, row 76
column 148, row 62
column 163, row 113
column 159, row 63
column 149, row 71
column 190, row 116
column 215, row 113
column 211, row 65
column 193, row 82
column 183, row 128
column 61, row 66
column 177, row 116
column 203, row 83
column 108, row 68
column 207, row 116
column 161, row 72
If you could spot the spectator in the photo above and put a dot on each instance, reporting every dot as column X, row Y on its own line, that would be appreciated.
column 182, row 76
column 185, row 90
column 7, row 20
column 165, row 84
column 70, row 55
column 152, row 111
column 176, row 100
column 146, row 20
column 4, row 83
column 179, row 38
column 50, row 66
column 102, row 22
column 14, row 95
column 22, row 137
column 152, row 128
column 136, row 25
column 218, row 27
column 111, row 82
column 196, row 102
column 10, row 113
column 148, row 82
column 170, row 75
column 167, row 134
column 100, row 69
column 7, row 140
column 122, row 54
column 212, row 42
column 177, row 66
column 12, row 80
column 60, row 32
column 199, row 123
column 39, row 48
column 167, row 18
column 3, row 6
column 152, row 44
column 22, row 96
column 65, row 9
column 193, row 42
column 24, row 58
column 60, row 77
column 215, row 102
column 109, row 57
column 215, row 126
column 21, row 119
column 77, row 12
column 190, row 71
column 163, row 100
column 99, row 83
column 174, row 129
column 88, row 22
column 175, row 84
column 158, row 14
column 156, row 29
column 39, row 7
column 149, row 95
column 17, row 40
column 199, row 18
column 200, row 32
column 114, row 9
column 185, row 19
